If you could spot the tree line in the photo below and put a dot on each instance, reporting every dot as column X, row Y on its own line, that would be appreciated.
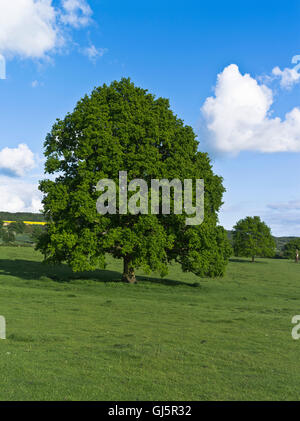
column 9, row 232
column 22, row 216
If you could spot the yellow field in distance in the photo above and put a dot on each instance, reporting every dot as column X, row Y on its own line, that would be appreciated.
column 26, row 222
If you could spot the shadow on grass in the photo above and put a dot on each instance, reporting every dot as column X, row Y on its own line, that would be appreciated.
column 31, row 270
column 237, row 260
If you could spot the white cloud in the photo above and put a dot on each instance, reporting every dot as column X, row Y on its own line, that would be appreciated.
column 17, row 196
column 283, row 223
column 93, row 53
column 283, row 218
column 288, row 77
column 34, row 28
column 27, row 27
column 16, row 161
column 78, row 13
column 36, row 84
column 238, row 117
column 292, row 205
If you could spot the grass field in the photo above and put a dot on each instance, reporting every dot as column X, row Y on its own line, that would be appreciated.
column 90, row 337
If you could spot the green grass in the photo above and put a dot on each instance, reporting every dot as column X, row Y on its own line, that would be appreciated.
column 90, row 337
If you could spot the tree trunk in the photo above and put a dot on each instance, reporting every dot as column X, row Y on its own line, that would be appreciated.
column 128, row 271
column 252, row 259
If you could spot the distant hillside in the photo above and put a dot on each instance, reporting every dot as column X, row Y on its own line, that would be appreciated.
column 22, row 216
column 280, row 241
column 38, row 217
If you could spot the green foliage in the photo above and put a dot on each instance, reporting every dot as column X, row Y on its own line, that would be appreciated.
column 281, row 242
column 36, row 233
column 289, row 250
column 16, row 227
column 252, row 238
column 22, row 216
column 122, row 127
column 1, row 229
column 8, row 233
column 8, row 236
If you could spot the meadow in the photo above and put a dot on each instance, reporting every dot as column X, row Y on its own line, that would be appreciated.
column 90, row 337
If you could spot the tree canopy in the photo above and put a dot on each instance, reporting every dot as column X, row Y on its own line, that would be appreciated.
column 8, row 233
column 252, row 238
column 16, row 227
column 122, row 127
column 289, row 249
column 22, row 216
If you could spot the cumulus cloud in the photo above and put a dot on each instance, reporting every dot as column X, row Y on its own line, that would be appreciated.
column 34, row 28
column 282, row 217
column 288, row 77
column 238, row 117
column 16, row 196
column 93, row 53
column 36, row 84
column 16, row 161
column 283, row 223
column 291, row 205
column 77, row 13
column 27, row 27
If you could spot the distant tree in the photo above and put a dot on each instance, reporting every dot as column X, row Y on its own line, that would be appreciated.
column 16, row 227
column 122, row 127
column 37, row 233
column 252, row 238
column 8, row 233
column 8, row 236
column 1, row 228
column 22, row 216
column 289, row 249
column 5, row 235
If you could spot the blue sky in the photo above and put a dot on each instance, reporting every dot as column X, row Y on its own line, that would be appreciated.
column 248, row 117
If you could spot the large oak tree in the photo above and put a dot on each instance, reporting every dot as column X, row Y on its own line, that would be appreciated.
column 122, row 127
